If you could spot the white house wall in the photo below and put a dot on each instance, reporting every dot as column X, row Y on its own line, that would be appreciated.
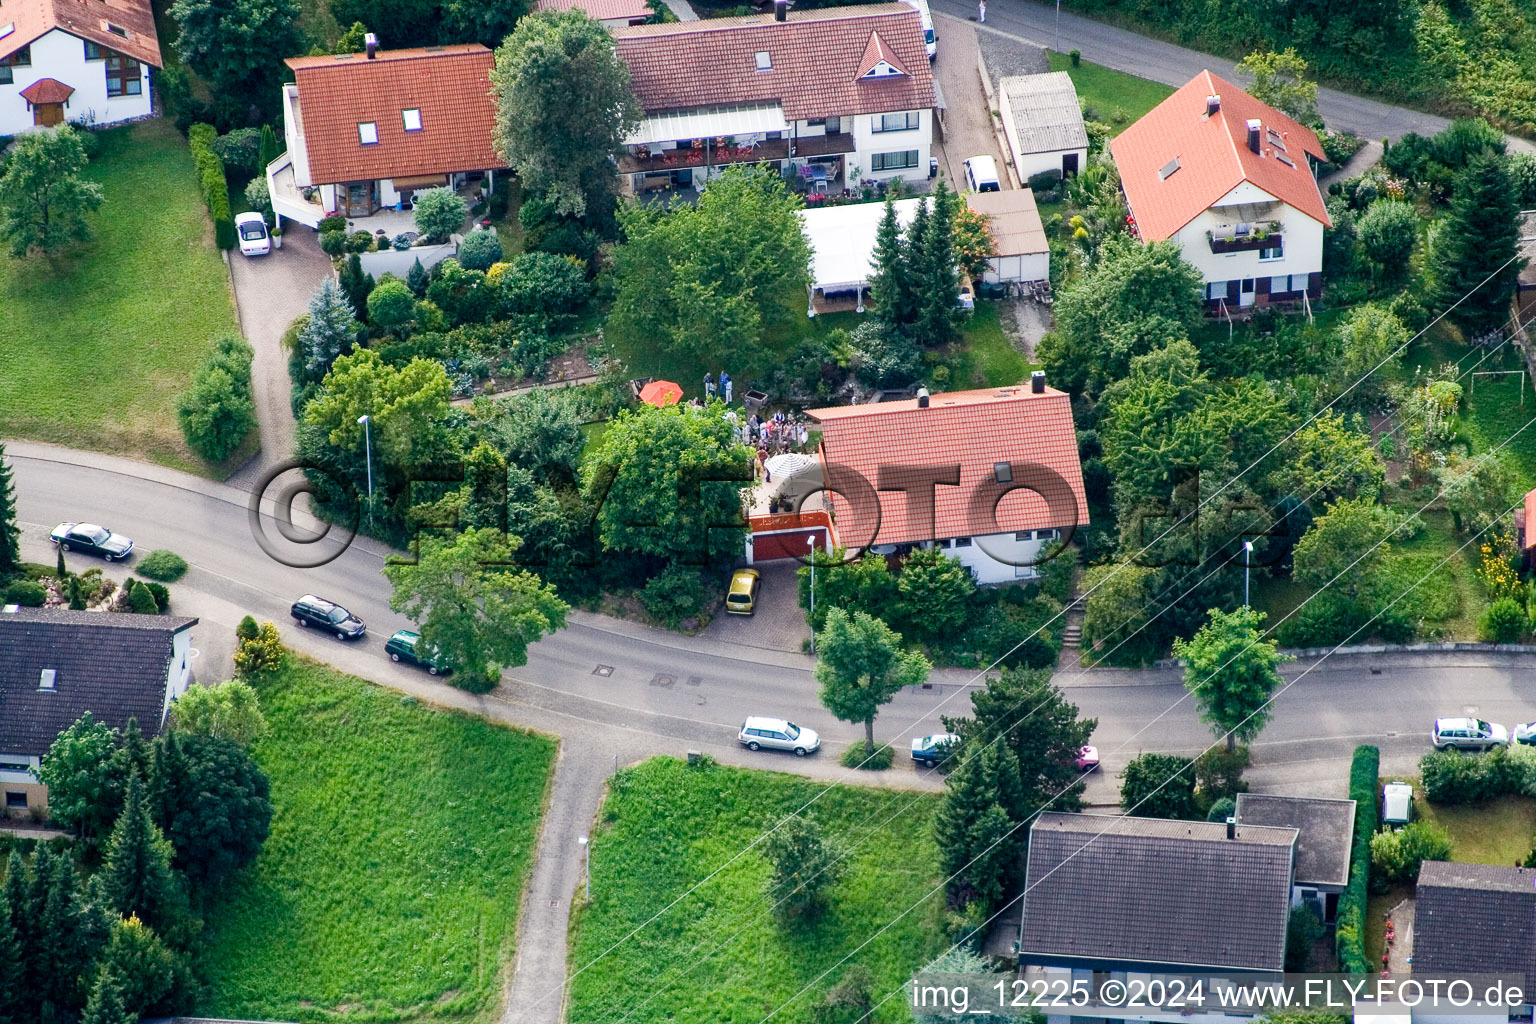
column 867, row 142
column 61, row 56
column 999, row 557
column 1035, row 266
column 1303, row 246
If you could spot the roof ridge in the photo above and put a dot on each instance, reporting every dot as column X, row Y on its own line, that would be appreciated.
column 745, row 21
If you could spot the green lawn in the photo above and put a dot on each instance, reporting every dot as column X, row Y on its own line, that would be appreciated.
column 1116, row 97
column 99, row 342
column 989, row 359
column 1494, row 407
column 401, row 839
column 716, row 955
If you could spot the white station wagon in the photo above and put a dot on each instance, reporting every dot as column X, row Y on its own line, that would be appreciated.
column 758, row 733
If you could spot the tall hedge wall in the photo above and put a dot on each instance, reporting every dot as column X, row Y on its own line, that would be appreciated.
column 1364, row 774
column 210, row 177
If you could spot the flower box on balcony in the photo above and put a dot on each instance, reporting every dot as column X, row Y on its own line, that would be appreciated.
column 1260, row 236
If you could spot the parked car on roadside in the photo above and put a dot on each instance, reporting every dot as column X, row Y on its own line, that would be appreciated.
column 759, row 733
column 741, row 599
column 1087, row 759
column 1396, row 804
column 1525, row 735
column 310, row 610
column 251, row 230
column 928, row 751
column 1467, row 734
column 91, row 540
column 406, row 646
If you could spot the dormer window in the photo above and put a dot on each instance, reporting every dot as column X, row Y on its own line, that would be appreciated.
column 882, row 70
column 367, row 132
column 764, row 61
column 412, row 119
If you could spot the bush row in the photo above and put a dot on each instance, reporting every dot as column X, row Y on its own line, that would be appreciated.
column 1451, row 777
column 1364, row 771
column 210, row 177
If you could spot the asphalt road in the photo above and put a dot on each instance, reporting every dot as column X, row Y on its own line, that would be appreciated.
column 616, row 692
column 1173, row 65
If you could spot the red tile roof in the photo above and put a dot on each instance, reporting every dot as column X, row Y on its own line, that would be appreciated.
column 87, row 19
column 878, row 51
column 1213, row 157
column 817, row 62
column 47, row 90
column 450, row 85
column 601, row 10
column 1528, row 519
column 975, row 430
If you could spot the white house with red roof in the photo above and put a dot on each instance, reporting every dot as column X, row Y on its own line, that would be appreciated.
column 1233, row 181
column 76, row 61
column 991, row 477
column 611, row 13
column 365, row 131
column 835, row 94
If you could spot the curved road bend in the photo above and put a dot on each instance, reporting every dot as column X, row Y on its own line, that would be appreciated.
column 667, row 694
column 1170, row 64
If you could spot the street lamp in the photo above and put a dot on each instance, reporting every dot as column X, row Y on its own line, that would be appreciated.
column 368, row 447
column 811, row 541
column 586, row 846
column 1058, row 26
column 1247, row 569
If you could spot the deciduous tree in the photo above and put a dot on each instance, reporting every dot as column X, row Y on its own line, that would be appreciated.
column 472, row 608
column 1388, row 232
column 439, row 212
column 228, row 710
column 43, row 196
column 1232, row 671
column 78, row 773
column 861, row 665
column 1280, row 79
column 804, row 865
column 221, row 814
column 1159, row 786
column 1345, row 546
column 561, row 139
column 238, row 46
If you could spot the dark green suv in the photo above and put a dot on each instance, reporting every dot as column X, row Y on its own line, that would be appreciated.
column 406, row 646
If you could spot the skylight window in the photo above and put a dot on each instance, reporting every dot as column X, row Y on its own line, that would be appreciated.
column 1002, row 472
column 764, row 61
column 7, row 29
column 1167, row 169
column 1285, row 160
column 367, row 132
column 412, row 117
column 117, row 30
column 1276, row 141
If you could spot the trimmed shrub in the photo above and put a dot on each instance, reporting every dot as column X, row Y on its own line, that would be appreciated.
column 161, row 594
column 27, row 593
column 1502, row 623
column 1221, row 810
column 140, row 599
column 359, row 241
column 215, row 187
column 247, row 629
column 335, row 222
column 391, row 306
column 479, row 250
column 677, row 593
column 440, row 212
column 1364, row 774
column 1397, row 854
column 1159, row 786
column 333, row 243
column 879, row 761
column 1451, row 777
column 1044, row 180
column 165, row 566
column 402, row 242
column 1301, row 932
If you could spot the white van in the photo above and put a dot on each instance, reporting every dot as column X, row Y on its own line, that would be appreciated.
column 1396, row 804
column 929, row 39
column 981, row 174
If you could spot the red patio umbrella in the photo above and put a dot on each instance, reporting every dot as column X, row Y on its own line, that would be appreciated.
column 661, row 393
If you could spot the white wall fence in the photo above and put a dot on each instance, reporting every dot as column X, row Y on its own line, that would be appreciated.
column 399, row 262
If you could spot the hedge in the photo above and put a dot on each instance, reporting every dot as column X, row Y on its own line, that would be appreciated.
column 1451, row 777
column 1364, row 773
column 210, row 174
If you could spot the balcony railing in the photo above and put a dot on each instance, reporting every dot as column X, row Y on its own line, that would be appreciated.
column 711, row 154
column 1245, row 237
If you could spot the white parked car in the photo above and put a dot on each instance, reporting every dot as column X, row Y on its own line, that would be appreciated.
column 254, row 238
column 1467, row 734
column 758, row 733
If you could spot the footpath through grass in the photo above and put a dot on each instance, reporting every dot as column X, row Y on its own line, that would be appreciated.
column 718, row 955
column 401, row 839
column 100, row 341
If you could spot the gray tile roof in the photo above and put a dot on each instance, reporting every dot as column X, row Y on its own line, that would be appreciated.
column 1474, row 919
column 1153, row 891
column 1327, row 830
column 113, row 665
column 1046, row 114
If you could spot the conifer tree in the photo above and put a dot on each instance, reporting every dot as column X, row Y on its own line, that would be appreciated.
column 936, row 271
column 891, row 294
column 10, row 537
column 136, row 877
column 65, row 951
column 13, row 986
column 1475, row 253
column 330, row 330
column 105, row 1005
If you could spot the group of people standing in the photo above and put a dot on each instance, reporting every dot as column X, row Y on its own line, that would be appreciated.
column 724, row 390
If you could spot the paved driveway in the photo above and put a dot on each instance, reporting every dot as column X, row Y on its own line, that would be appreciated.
column 967, row 119
column 778, row 624
column 271, row 292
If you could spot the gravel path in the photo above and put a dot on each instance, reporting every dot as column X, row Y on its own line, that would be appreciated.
column 271, row 292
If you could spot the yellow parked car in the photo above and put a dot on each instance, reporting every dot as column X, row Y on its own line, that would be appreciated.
column 741, row 599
